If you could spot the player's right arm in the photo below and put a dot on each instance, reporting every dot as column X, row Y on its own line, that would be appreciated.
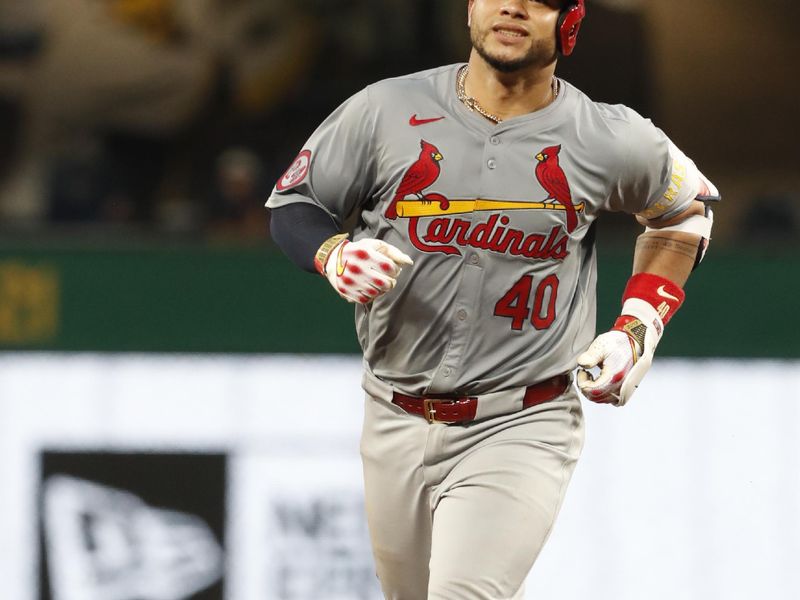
column 359, row 271
column 330, row 180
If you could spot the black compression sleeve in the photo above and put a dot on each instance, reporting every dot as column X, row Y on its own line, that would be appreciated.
column 299, row 230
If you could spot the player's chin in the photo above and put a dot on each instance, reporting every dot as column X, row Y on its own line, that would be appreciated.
column 511, row 60
column 510, row 65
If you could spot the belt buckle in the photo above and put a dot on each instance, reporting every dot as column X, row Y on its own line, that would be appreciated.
column 430, row 412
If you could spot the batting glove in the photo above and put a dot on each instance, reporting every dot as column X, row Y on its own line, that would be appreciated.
column 364, row 270
column 624, row 354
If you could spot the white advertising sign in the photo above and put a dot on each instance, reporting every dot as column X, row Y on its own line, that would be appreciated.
column 245, row 472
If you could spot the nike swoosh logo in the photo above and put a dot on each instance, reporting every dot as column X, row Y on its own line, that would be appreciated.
column 339, row 266
column 665, row 294
column 415, row 122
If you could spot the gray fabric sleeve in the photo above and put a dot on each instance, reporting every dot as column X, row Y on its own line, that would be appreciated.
column 340, row 171
column 646, row 166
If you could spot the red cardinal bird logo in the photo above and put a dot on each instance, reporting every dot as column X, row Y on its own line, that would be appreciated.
column 552, row 178
column 422, row 174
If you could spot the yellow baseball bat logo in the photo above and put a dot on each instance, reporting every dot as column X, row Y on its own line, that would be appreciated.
column 414, row 208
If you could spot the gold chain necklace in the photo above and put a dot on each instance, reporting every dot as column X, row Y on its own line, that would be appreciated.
column 475, row 106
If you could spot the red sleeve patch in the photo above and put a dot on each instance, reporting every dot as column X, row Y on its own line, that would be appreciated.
column 296, row 173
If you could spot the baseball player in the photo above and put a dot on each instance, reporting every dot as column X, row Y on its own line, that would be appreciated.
column 475, row 190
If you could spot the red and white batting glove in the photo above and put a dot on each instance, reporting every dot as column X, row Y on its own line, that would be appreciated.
column 624, row 354
column 363, row 270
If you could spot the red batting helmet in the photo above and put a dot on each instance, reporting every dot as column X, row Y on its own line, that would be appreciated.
column 568, row 25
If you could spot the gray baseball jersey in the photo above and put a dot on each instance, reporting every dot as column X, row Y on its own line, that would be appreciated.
column 498, row 219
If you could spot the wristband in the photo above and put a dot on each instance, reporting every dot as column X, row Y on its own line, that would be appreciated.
column 662, row 294
column 321, row 257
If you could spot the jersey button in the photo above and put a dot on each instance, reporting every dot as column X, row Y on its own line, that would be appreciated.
column 495, row 141
column 491, row 163
column 473, row 259
column 462, row 315
column 446, row 371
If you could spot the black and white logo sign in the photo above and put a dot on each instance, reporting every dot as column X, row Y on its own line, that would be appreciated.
column 132, row 527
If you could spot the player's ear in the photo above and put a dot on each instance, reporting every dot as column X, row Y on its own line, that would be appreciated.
column 470, row 4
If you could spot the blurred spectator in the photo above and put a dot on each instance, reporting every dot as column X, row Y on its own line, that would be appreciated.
column 237, row 202
column 267, row 52
column 104, row 67
column 131, row 107
column 122, row 89
column 265, row 45
column 20, row 42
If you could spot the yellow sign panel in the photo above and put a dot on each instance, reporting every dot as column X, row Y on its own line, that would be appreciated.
column 29, row 303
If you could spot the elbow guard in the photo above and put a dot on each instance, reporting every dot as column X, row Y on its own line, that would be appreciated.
column 700, row 225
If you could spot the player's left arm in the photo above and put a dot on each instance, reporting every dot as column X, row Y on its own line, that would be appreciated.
column 671, row 247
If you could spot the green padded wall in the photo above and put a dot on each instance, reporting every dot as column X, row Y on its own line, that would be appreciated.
column 202, row 299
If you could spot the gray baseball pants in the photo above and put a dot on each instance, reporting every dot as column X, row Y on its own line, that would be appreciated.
column 460, row 512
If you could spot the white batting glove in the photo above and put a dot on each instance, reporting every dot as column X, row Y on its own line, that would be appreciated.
column 364, row 270
column 622, row 355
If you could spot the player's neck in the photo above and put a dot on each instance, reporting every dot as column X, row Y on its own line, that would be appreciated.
column 509, row 95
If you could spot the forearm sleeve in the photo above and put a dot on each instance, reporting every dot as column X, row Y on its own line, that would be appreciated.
column 299, row 230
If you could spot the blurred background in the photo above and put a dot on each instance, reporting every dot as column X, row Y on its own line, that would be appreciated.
column 139, row 140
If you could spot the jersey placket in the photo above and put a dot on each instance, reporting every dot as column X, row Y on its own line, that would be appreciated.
column 467, row 299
